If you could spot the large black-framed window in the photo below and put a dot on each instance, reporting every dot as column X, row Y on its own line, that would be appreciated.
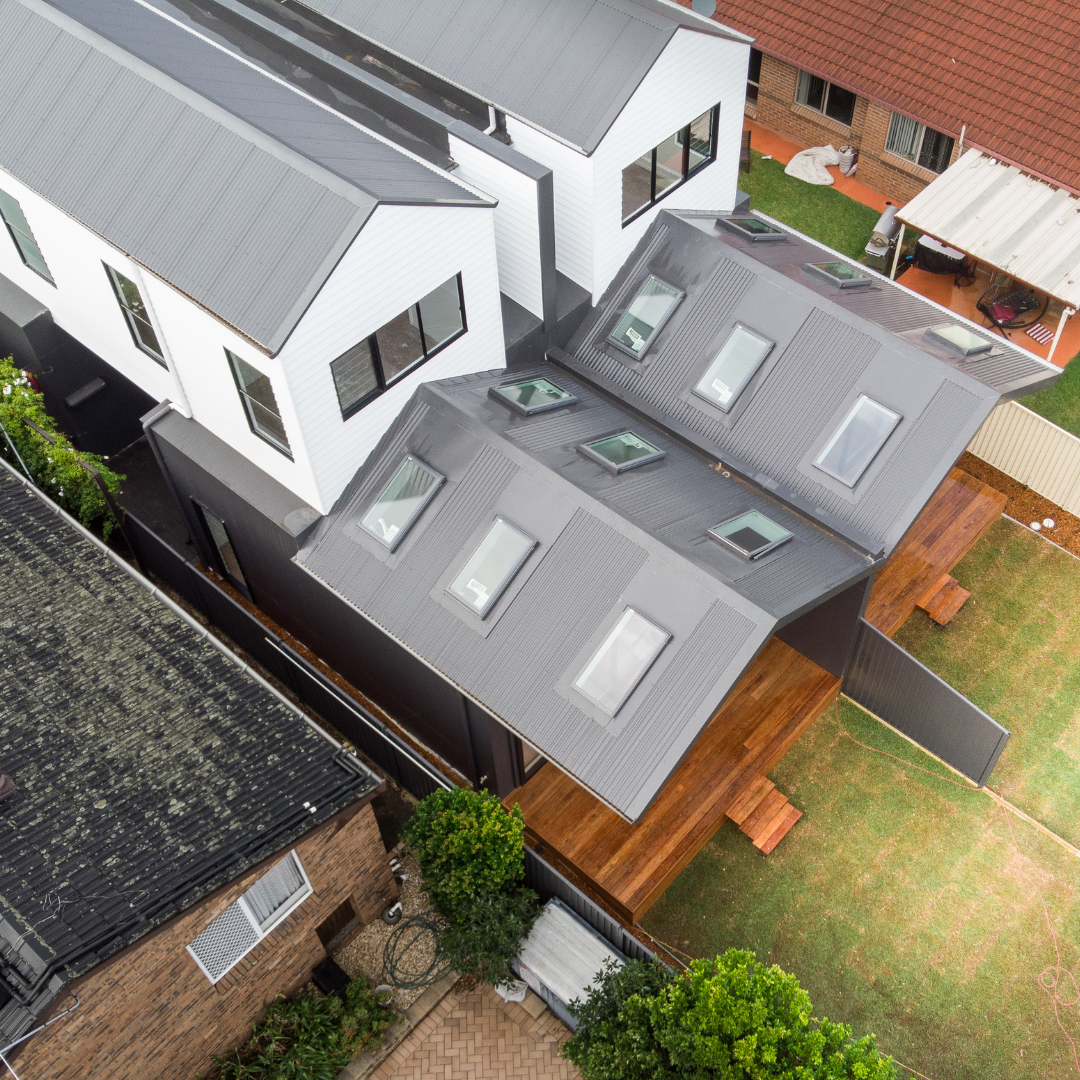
column 660, row 171
column 22, row 237
column 260, row 404
column 135, row 314
column 825, row 97
column 753, row 78
column 400, row 346
column 217, row 533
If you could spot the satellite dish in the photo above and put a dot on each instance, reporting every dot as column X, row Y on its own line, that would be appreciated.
column 704, row 7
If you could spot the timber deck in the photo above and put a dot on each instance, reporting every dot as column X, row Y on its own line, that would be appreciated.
column 954, row 519
column 630, row 865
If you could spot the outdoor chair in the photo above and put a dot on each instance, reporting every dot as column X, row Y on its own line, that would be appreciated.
column 1009, row 306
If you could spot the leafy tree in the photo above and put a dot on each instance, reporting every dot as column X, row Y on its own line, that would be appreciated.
column 484, row 941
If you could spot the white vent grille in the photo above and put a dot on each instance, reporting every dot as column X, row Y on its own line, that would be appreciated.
column 226, row 941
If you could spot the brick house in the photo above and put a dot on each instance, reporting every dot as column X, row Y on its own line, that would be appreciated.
column 177, row 844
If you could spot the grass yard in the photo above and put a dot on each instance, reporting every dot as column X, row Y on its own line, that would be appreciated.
column 1061, row 403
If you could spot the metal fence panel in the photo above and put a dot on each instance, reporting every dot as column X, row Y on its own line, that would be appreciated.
column 892, row 684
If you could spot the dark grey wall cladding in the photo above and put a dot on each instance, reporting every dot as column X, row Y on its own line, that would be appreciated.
column 890, row 683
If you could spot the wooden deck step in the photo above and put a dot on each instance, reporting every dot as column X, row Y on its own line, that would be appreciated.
column 750, row 799
column 764, row 814
column 766, row 846
column 943, row 599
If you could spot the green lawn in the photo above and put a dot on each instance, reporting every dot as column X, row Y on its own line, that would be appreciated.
column 1061, row 403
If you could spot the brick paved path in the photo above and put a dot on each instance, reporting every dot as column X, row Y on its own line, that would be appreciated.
column 477, row 1036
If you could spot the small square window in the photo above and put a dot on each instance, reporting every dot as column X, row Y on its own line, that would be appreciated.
column 855, row 443
column 401, row 502
column 751, row 535
column 841, row 274
column 959, row 339
column 734, row 366
column 532, row 396
column 645, row 317
column 491, row 567
column 751, row 228
column 621, row 452
column 621, row 661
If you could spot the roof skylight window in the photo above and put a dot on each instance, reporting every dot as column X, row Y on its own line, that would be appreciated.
column 855, row 443
column 751, row 534
column 621, row 452
column 532, row 396
column 402, row 501
column 751, row 228
column 644, row 318
column 959, row 339
column 841, row 274
column 491, row 567
column 621, row 661
column 741, row 355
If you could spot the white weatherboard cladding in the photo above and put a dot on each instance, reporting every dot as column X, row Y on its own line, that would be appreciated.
column 400, row 255
column 517, row 232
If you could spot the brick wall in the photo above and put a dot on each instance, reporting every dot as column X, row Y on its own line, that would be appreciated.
column 151, row 1013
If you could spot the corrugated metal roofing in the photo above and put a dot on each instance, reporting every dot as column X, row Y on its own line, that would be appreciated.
column 236, row 189
column 1006, row 218
column 600, row 536
column 566, row 66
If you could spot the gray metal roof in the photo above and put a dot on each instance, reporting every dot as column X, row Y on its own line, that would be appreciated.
column 238, row 190
column 566, row 66
column 827, row 352
column 604, row 541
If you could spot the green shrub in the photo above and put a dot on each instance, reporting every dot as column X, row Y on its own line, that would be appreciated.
column 730, row 1018
column 55, row 468
column 484, row 942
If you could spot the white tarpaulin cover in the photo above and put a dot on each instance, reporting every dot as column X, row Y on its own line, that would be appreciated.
column 809, row 165
column 1006, row 218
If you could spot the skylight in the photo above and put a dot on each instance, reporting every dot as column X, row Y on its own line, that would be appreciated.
column 751, row 228
column 532, row 396
column 751, row 534
column 621, row 661
column 841, row 274
column 855, row 443
column 402, row 501
column 645, row 316
column 734, row 366
column 959, row 339
column 491, row 567
column 621, row 452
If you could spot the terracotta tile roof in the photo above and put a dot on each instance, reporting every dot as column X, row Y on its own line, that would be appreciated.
column 1007, row 71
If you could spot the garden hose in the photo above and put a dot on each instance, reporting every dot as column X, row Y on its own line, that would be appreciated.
column 402, row 946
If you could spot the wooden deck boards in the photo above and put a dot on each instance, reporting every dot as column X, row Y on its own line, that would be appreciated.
column 961, row 510
column 631, row 865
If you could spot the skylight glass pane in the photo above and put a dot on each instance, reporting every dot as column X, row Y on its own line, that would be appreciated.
column 751, row 534
column 647, row 313
column 752, row 228
column 959, row 339
column 532, row 396
column 621, row 661
column 841, row 274
column 734, row 366
column 402, row 501
column 621, row 452
column 857, row 440
column 491, row 567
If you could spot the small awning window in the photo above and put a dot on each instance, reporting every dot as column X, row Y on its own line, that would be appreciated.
column 491, row 567
column 532, row 396
column 751, row 534
column 621, row 452
column 401, row 502
column 959, row 339
column 751, row 228
column 841, row 274
column 741, row 355
column 647, row 313
column 621, row 661
column 855, row 443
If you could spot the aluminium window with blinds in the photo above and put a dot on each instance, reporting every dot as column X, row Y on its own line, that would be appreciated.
column 916, row 142
column 242, row 925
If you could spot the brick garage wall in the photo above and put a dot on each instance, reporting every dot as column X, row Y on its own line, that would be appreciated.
column 151, row 1012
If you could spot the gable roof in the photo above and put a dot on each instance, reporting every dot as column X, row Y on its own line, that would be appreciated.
column 237, row 189
column 150, row 768
column 565, row 66
column 1007, row 72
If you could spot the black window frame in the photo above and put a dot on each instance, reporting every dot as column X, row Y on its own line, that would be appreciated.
column 220, row 567
column 684, row 134
column 826, row 93
column 19, row 236
column 130, row 317
column 376, row 358
column 753, row 68
column 246, row 399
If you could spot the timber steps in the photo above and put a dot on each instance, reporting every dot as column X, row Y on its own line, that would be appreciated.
column 943, row 599
column 764, row 814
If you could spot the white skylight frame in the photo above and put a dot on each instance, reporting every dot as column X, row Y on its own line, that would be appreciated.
column 617, row 467
column 499, row 394
column 467, row 579
column 943, row 333
column 820, row 270
column 391, row 540
column 889, row 418
column 676, row 295
column 608, row 679
column 739, row 330
column 751, row 519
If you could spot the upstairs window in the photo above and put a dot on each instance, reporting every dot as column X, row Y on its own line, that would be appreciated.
column 532, row 396
column 401, row 502
column 138, row 318
column 855, row 443
column 621, row 452
column 753, row 78
column 916, row 142
column 491, row 567
column 825, row 97
column 663, row 168
column 751, row 535
column 22, row 237
column 260, row 404
column 621, row 661
column 404, row 343
column 645, row 317
column 735, row 364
